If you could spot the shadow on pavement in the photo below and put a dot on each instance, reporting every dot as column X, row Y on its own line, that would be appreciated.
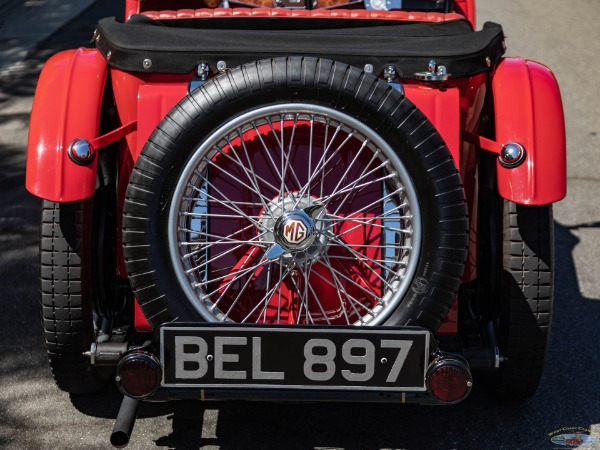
column 565, row 398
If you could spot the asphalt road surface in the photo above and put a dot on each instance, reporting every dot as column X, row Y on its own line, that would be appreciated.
column 34, row 414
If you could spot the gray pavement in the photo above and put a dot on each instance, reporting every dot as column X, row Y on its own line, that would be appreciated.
column 26, row 23
column 36, row 415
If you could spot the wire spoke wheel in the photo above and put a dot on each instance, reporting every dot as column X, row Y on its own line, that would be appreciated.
column 295, row 191
column 295, row 214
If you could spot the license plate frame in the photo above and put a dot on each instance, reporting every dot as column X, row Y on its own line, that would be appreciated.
column 230, row 357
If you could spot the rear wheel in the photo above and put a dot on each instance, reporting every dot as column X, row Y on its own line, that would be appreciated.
column 516, row 285
column 525, row 298
column 295, row 191
column 67, row 295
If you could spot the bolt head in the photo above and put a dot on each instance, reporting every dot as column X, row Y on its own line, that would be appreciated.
column 81, row 152
column 512, row 155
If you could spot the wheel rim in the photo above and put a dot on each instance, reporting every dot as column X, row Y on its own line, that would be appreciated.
column 295, row 214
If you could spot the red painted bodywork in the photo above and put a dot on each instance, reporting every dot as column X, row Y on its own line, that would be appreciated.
column 528, row 110
column 526, row 98
column 153, row 98
column 66, row 106
column 467, row 9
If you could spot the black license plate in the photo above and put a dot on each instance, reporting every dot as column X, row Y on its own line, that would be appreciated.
column 230, row 356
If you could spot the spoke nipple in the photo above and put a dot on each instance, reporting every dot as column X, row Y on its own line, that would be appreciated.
column 383, row 360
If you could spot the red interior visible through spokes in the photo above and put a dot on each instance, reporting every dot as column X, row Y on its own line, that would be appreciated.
column 248, row 180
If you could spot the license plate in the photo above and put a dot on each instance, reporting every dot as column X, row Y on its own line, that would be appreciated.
column 230, row 356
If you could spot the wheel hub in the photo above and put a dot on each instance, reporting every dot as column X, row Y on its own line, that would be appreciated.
column 295, row 230
column 296, row 226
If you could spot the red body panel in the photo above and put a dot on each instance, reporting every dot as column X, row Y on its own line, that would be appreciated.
column 152, row 99
column 467, row 9
column 66, row 106
column 528, row 110
column 155, row 100
column 442, row 108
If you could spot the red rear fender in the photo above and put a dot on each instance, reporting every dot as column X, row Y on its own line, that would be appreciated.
column 66, row 106
column 528, row 110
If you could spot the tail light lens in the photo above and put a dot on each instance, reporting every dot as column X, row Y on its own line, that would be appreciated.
column 138, row 374
column 449, row 380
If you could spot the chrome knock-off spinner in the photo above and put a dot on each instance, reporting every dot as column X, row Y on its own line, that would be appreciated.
column 296, row 227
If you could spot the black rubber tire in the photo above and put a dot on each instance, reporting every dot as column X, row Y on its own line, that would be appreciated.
column 66, row 295
column 526, row 297
column 289, row 80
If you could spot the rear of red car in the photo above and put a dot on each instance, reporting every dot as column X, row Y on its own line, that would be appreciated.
column 339, row 203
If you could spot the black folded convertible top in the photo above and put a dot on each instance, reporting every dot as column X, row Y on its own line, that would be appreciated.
column 178, row 46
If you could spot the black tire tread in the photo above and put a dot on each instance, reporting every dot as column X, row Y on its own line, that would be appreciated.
column 527, row 296
column 65, row 286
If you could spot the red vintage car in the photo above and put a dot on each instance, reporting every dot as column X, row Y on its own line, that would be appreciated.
column 296, row 200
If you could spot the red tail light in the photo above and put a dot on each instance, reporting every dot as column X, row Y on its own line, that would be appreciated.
column 138, row 374
column 449, row 380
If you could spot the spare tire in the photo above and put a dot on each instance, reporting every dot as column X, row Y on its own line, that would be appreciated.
column 295, row 191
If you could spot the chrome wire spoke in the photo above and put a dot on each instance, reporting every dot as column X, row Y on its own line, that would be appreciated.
column 338, row 285
column 261, row 179
column 351, row 281
column 339, row 288
column 366, row 209
column 250, row 173
column 347, row 171
column 383, row 280
column 225, row 252
column 324, row 161
column 208, row 201
column 226, row 204
column 370, row 223
column 241, row 291
column 229, row 239
column 359, row 257
column 267, row 297
column 354, row 190
column 357, row 188
column 238, row 181
column 231, row 235
column 220, row 216
column 353, row 300
column 238, row 275
column 304, row 301
column 285, row 156
column 366, row 258
column 267, row 152
column 221, row 239
column 316, row 297
column 325, row 147
column 310, row 151
column 375, row 203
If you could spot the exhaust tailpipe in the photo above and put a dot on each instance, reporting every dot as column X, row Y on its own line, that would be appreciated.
column 124, row 423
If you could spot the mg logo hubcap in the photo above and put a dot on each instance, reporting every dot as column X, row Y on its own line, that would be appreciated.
column 295, row 230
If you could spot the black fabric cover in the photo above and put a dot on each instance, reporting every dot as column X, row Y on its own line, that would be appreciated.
column 178, row 46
